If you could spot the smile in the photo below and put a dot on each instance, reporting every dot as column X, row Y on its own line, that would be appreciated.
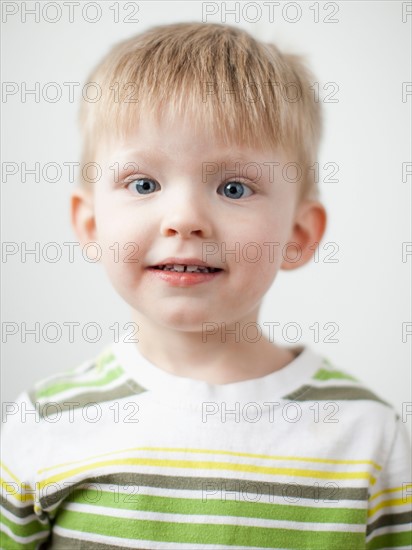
column 187, row 268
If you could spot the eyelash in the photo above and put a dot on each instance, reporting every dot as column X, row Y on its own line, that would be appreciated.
column 131, row 179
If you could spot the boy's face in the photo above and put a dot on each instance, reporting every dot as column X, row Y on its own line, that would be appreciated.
column 170, row 198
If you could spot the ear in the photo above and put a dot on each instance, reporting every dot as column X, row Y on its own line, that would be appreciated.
column 308, row 229
column 82, row 215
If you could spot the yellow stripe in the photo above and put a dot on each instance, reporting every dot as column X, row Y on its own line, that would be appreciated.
column 23, row 484
column 385, row 491
column 387, row 503
column 22, row 497
column 9, row 472
column 209, row 466
column 218, row 452
column 269, row 457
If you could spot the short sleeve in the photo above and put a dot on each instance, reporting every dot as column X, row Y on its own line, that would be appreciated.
column 23, row 523
column 390, row 502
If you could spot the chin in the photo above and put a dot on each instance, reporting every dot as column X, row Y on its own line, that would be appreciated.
column 182, row 321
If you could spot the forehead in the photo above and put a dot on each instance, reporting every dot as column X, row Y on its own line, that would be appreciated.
column 165, row 139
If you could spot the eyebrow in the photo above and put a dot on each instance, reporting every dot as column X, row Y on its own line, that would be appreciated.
column 146, row 157
column 156, row 157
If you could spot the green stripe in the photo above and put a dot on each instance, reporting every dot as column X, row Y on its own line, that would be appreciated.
column 10, row 544
column 104, row 359
column 67, row 377
column 51, row 390
column 324, row 374
column 217, row 485
column 25, row 530
column 331, row 393
column 232, row 535
column 128, row 389
column 390, row 540
column 84, row 367
column 219, row 507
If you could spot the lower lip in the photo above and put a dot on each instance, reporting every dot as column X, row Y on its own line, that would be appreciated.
column 183, row 278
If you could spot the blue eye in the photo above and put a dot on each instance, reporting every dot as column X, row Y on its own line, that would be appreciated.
column 145, row 186
column 233, row 189
column 142, row 186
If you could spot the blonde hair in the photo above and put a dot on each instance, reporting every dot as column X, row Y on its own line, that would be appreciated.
column 233, row 86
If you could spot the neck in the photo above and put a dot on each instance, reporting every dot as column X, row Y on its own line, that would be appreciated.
column 218, row 354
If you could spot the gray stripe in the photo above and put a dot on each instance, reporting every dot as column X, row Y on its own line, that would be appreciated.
column 18, row 512
column 291, row 492
column 127, row 389
column 390, row 519
column 64, row 543
column 331, row 393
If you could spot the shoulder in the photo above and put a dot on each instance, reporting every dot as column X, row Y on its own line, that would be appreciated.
column 344, row 410
column 331, row 383
column 97, row 380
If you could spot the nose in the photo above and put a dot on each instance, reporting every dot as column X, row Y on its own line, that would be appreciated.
column 186, row 215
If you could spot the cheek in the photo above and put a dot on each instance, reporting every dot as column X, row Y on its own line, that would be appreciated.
column 258, row 245
column 120, row 241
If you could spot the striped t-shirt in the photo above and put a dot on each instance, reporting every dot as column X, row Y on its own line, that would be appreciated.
column 118, row 453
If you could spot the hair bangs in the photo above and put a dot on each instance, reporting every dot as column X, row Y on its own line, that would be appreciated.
column 216, row 78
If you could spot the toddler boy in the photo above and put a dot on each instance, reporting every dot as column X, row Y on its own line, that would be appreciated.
column 195, row 430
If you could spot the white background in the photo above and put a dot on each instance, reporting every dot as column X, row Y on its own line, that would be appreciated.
column 367, row 133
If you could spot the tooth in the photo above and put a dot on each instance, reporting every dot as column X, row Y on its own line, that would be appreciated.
column 189, row 268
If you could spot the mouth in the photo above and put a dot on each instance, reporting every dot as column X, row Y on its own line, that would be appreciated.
column 182, row 268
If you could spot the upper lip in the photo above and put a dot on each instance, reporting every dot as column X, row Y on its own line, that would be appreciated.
column 184, row 261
